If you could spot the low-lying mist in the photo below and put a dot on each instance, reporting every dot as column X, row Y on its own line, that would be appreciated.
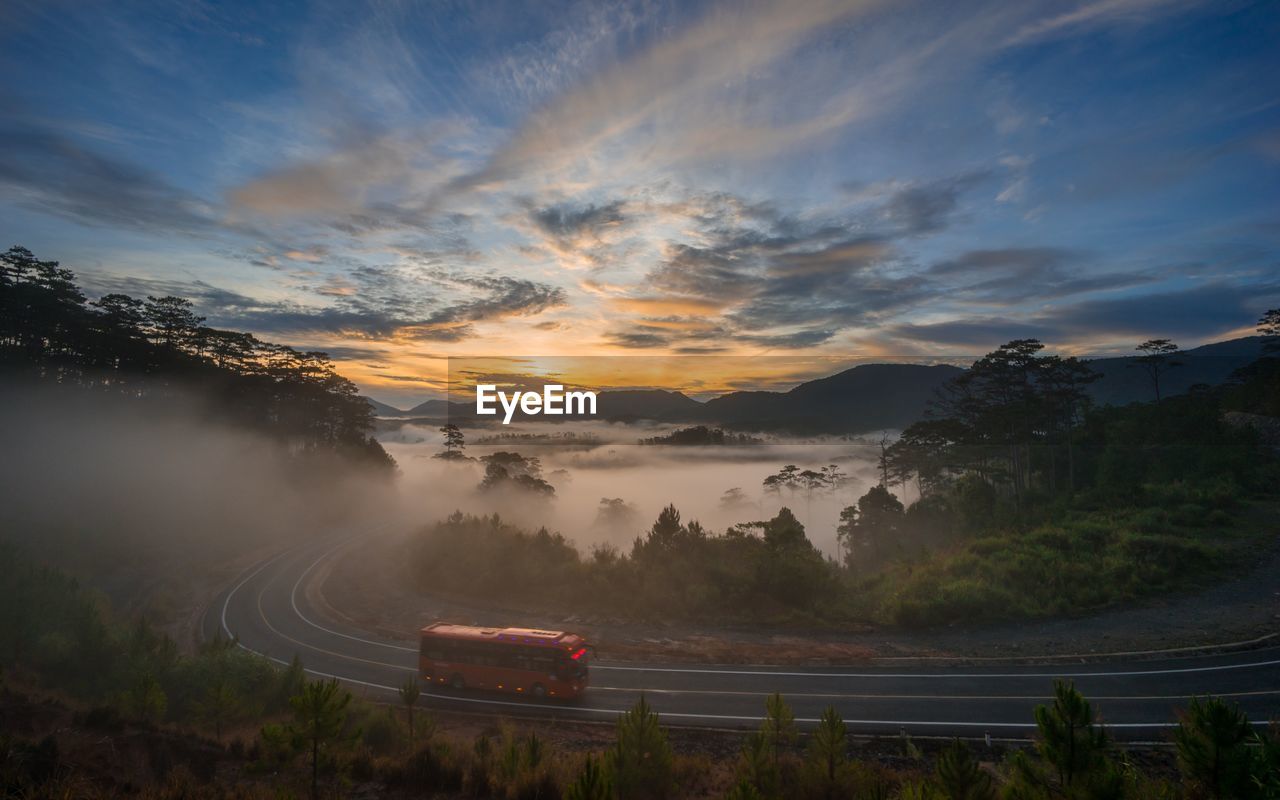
column 129, row 492
column 148, row 497
column 611, row 465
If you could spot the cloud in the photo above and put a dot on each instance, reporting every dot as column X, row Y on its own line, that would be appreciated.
column 929, row 207
column 426, row 177
column 334, row 184
column 579, row 236
column 665, row 306
column 381, row 306
column 777, row 281
column 1092, row 16
column 1202, row 311
column 504, row 296
column 312, row 255
column 1194, row 313
column 372, row 356
column 981, row 334
column 1014, row 274
column 794, row 269
column 387, row 376
column 362, row 182
column 637, row 339
column 567, row 222
column 1019, row 178
column 675, row 79
column 790, row 341
column 47, row 171
column 708, row 273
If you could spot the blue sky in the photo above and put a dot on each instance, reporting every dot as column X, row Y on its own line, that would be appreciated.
column 401, row 182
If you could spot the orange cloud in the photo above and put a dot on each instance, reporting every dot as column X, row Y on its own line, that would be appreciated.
column 666, row 306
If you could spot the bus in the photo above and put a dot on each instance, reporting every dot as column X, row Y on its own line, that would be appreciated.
column 523, row 661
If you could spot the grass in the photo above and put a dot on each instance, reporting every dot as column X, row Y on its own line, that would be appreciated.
column 1088, row 561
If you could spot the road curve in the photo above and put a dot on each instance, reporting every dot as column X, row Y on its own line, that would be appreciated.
column 266, row 610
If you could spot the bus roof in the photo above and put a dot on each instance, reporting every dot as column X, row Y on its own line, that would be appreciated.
column 513, row 635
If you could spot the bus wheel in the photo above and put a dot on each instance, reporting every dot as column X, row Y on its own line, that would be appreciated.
column 538, row 690
column 457, row 682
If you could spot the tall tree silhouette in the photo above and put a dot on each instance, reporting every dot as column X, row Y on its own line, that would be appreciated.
column 1158, row 357
column 409, row 694
column 319, row 717
column 1009, row 419
column 454, row 442
column 1269, row 329
column 154, row 348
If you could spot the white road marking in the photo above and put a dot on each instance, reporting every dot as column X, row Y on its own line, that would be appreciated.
column 928, row 675
column 784, row 674
column 678, row 715
column 982, row 697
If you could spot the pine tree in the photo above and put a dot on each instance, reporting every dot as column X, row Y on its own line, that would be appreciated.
column 1070, row 740
column 409, row 693
column 641, row 759
column 778, row 728
column 744, row 790
column 320, row 715
column 959, row 776
column 1269, row 330
column 222, row 703
column 757, row 768
column 1158, row 357
column 1213, row 747
column 292, row 681
column 591, row 784
column 827, row 757
column 454, row 442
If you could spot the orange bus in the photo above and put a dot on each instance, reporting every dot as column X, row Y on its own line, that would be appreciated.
column 519, row 660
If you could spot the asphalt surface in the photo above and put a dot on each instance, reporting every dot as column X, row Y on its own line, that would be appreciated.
column 266, row 608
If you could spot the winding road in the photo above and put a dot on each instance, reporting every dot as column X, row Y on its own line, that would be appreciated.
column 266, row 608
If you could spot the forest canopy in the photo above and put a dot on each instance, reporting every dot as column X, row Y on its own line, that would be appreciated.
column 158, row 348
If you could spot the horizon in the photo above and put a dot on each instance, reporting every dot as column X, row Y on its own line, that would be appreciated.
column 537, row 370
column 398, row 186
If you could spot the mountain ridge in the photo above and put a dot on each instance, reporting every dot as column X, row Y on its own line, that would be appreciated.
column 866, row 397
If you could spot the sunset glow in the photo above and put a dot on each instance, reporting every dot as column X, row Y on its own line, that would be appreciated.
column 398, row 184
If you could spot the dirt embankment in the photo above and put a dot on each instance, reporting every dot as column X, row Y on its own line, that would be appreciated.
column 369, row 586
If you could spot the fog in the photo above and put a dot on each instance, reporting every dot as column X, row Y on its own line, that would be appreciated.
column 133, row 493
column 158, row 504
column 645, row 477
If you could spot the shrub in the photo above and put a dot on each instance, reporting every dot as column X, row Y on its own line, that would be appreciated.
column 641, row 759
column 381, row 732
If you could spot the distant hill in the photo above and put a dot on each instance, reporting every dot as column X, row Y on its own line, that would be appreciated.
column 653, row 404
column 1123, row 381
column 613, row 406
column 865, row 398
column 382, row 409
column 435, row 408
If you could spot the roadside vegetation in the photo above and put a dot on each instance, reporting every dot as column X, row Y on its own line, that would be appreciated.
column 64, row 633
column 1023, row 501
column 93, row 706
